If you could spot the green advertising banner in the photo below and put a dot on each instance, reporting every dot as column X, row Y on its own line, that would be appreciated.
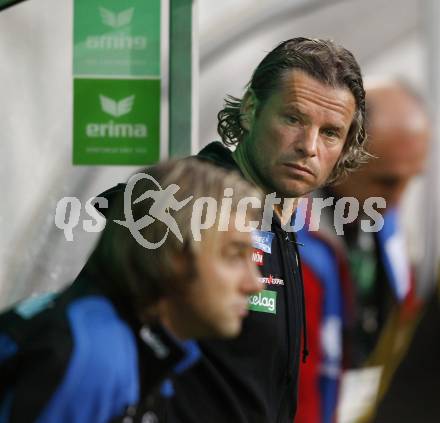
column 116, row 121
column 114, row 37
column 117, row 86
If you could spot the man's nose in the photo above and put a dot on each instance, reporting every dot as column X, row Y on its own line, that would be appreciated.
column 307, row 143
column 251, row 284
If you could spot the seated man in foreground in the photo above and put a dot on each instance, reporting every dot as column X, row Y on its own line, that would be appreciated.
column 97, row 351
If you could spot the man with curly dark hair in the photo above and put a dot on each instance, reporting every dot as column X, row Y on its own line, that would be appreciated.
column 299, row 125
column 290, row 66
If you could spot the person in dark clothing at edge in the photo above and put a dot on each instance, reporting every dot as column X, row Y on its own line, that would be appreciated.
column 101, row 348
column 299, row 125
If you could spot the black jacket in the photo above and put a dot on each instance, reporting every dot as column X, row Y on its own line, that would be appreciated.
column 252, row 378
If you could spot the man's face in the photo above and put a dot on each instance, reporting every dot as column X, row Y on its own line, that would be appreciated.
column 217, row 300
column 400, row 157
column 398, row 138
column 298, row 135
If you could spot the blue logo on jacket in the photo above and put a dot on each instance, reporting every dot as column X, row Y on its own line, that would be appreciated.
column 262, row 240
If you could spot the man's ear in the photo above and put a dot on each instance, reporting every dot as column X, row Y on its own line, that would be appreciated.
column 248, row 110
column 184, row 266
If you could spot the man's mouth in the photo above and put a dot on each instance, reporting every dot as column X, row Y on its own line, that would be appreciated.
column 299, row 169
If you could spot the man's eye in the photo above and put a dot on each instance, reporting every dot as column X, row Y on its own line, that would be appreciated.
column 231, row 254
column 234, row 256
column 388, row 181
column 292, row 119
column 331, row 133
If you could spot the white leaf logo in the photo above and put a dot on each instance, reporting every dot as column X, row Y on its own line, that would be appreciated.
column 116, row 20
column 116, row 108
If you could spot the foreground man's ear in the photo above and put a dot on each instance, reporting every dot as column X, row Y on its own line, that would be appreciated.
column 248, row 110
column 185, row 270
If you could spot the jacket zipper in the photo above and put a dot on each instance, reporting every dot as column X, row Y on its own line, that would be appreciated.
column 292, row 290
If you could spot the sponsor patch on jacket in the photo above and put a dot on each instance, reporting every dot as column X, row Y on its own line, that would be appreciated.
column 257, row 256
column 270, row 280
column 262, row 240
column 264, row 302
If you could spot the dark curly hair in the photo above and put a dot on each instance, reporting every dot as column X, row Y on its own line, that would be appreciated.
column 323, row 60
